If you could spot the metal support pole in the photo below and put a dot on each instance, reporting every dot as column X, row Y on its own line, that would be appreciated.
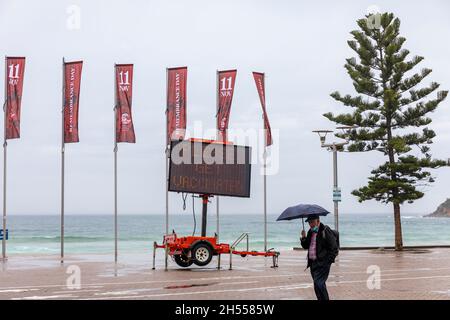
column 247, row 241
column 217, row 231
column 62, row 160
column 231, row 258
column 154, row 255
column 335, row 186
column 115, row 203
column 204, row 213
column 218, row 262
column 217, row 197
column 265, row 201
column 4, row 199
column 115, row 166
column 4, row 170
column 217, row 218
column 166, row 249
column 62, row 202
column 167, row 154
column 334, row 147
column 264, row 168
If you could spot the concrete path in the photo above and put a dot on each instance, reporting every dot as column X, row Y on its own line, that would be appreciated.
column 359, row 274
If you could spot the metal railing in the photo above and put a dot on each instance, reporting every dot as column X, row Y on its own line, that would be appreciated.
column 235, row 243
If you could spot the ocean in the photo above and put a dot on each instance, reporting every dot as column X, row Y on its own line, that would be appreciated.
column 39, row 234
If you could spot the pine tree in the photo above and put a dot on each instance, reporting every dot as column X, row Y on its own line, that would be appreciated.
column 390, row 115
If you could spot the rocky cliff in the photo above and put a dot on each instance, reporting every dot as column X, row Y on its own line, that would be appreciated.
column 442, row 211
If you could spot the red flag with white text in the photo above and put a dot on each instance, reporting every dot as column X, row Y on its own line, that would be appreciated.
column 225, row 87
column 124, row 94
column 176, row 103
column 260, row 86
column 72, row 81
column 14, row 73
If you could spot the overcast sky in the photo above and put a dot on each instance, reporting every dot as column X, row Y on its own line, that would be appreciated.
column 300, row 45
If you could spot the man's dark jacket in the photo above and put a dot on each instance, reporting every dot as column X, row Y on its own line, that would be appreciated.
column 326, row 245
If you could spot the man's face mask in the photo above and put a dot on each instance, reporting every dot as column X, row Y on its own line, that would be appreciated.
column 315, row 229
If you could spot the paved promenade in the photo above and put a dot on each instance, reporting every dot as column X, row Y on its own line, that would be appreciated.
column 417, row 274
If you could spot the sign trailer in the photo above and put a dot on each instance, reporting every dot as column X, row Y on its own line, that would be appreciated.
column 207, row 168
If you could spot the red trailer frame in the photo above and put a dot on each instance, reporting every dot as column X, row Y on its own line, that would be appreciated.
column 200, row 250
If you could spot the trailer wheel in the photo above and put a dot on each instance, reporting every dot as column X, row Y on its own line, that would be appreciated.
column 182, row 260
column 202, row 254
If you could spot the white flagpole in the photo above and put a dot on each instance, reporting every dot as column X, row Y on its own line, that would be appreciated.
column 264, row 164
column 265, row 193
column 217, row 137
column 115, row 165
column 217, row 134
column 4, row 168
column 166, row 251
column 62, row 159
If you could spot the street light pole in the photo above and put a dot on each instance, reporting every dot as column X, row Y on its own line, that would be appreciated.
column 336, row 191
column 334, row 147
column 335, row 188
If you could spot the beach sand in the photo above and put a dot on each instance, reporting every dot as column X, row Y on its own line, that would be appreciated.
column 417, row 274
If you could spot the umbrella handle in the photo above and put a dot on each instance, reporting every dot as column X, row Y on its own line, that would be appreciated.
column 303, row 223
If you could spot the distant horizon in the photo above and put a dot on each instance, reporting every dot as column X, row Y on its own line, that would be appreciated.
column 199, row 213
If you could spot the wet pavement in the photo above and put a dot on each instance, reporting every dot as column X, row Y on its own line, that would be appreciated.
column 357, row 274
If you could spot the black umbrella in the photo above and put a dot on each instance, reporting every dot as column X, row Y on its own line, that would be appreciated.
column 302, row 211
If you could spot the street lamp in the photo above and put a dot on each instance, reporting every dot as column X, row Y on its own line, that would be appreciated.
column 335, row 147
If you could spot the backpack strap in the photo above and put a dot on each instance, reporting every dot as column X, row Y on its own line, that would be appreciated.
column 324, row 233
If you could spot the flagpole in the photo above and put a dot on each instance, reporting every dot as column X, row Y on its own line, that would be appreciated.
column 62, row 159
column 4, row 167
column 166, row 251
column 264, row 164
column 115, row 165
column 265, row 191
column 218, row 135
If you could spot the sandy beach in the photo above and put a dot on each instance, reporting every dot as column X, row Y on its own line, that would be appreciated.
column 413, row 274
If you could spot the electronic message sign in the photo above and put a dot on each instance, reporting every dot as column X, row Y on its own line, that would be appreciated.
column 209, row 167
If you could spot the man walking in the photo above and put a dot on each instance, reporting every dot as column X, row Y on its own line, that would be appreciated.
column 323, row 248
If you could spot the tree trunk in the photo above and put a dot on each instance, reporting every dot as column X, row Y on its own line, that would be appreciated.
column 389, row 115
column 398, row 228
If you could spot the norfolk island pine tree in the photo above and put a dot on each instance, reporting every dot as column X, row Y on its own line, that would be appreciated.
column 390, row 114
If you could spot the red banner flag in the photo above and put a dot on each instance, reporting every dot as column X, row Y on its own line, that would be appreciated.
column 260, row 86
column 176, row 103
column 72, row 81
column 15, row 68
column 124, row 93
column 225, row 92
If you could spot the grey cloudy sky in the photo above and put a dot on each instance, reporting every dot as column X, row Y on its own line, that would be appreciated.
column 300, row 45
